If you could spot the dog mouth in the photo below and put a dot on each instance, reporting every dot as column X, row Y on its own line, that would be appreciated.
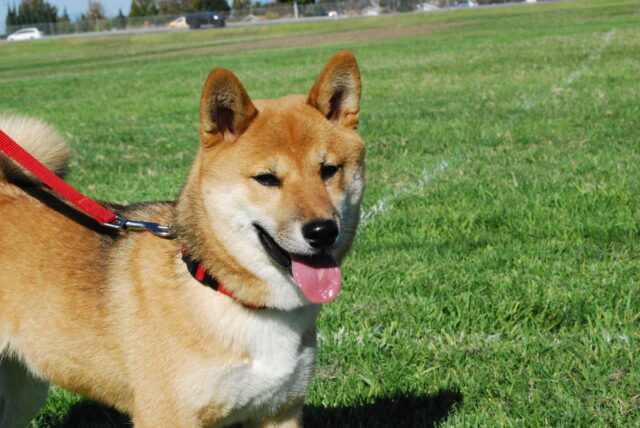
column 318, row 276
column 275, row 251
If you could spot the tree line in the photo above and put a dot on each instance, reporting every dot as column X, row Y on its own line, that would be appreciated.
column 174, row 7
column 40, row 11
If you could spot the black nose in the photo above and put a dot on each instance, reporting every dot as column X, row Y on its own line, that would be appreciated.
column 320, row 233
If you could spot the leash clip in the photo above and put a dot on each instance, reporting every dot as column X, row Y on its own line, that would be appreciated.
column 155, row 228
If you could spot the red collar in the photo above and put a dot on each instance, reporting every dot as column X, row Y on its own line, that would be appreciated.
column 198, row 271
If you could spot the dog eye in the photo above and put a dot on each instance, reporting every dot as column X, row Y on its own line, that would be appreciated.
column 267, row 179
column 328, row 171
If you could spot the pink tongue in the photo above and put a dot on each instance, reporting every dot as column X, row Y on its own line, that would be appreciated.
column 318, row 277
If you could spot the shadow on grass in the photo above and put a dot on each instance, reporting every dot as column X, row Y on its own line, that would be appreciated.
column 403, row 410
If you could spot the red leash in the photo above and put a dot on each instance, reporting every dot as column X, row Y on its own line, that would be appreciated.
column 99, row 213
column 85, row 204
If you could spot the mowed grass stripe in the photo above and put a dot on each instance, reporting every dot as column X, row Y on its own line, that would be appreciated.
column 249, row 45
column 498, row 290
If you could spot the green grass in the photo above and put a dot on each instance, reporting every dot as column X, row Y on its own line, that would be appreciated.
column 496, row 281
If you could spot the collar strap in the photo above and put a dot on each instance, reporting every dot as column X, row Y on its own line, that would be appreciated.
column 198, row 271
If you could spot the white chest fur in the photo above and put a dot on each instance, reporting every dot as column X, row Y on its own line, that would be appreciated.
column 282, row 350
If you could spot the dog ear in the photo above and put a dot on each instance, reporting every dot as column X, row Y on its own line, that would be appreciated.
column 225, row 108
column 336, row 93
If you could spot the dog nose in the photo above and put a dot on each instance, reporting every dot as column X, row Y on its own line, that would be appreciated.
column 320, row 233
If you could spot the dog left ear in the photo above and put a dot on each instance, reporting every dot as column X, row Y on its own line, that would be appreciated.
column 225, row 108
column 336, row 93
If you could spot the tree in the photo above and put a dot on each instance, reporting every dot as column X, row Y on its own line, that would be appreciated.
column 241, row 4
column 32, row 12
column 65, row 16
column 298, row 1
column 95, row 11
column 168, row 7
column 120, row 21
column 11, row 17
column 64, row 25
column 212, row 5
column 143, row 8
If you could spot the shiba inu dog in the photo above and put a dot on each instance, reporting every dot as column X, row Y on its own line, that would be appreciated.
column 213, row 327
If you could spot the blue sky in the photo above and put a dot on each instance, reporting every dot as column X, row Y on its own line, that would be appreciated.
column 74, row 8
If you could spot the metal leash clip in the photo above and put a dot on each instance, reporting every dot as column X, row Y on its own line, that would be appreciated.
column 155, row 228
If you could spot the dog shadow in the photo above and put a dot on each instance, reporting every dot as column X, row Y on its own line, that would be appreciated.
column 406, row 410
column 400, row 410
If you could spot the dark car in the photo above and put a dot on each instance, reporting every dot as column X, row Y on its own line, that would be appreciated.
column 198, row 19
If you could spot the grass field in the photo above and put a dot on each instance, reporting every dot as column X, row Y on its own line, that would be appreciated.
column 495, row 280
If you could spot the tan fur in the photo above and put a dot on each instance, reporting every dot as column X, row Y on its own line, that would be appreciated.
column 117, row 317
column 40, row 139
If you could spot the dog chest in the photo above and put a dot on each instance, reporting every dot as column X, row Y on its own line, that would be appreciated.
column 282, row 352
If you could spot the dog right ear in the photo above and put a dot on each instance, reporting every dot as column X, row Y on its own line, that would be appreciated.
column 336, row 93
column 225, row 108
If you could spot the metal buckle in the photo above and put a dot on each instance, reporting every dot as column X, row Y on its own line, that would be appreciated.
column 155, row 228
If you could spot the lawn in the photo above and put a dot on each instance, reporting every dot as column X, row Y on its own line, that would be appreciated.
column 495, row 280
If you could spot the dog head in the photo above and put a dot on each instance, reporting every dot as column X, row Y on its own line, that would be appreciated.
column 278, row 183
